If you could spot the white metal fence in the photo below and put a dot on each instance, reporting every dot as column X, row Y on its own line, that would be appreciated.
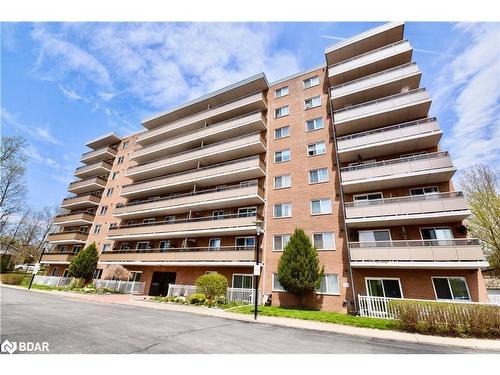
column 119, row 286
column 494, row 299
column 244, row 295
column 52, row 280
column 378, row 307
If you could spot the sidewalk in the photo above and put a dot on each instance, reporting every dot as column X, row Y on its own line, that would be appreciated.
column 142, row 301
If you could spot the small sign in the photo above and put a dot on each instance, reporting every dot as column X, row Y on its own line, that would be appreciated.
column 36, row 269
column 346, row 285
column 256, row 270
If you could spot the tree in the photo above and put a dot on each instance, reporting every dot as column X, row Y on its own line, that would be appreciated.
column 84, row 263
column 479, row 183
column 298, row 269
column 116, row 272
column 12, row 183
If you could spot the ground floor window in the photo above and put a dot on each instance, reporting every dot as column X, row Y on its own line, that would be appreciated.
column 242, row 281
column 451, row 288
column 55, row 270
column 135, row 276
column 66, row 272
column 329, row 284
column 276, row 284
column 382, row 287
column 97, row 273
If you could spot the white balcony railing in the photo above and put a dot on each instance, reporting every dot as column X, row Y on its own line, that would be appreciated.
column 244, row 295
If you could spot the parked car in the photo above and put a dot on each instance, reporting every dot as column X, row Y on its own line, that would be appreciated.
column 28, row 268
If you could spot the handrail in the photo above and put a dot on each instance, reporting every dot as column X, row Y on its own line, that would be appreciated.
column 68, row 231
column 67, row 252
column 415, row 243
column 96, row 193
column 87, row 180
column 98, row 150
column 90, row 166
column 411, row 198
column 234, row 161
column 398, row 67
column 217, row 124
column 387, row 128
column 76, row 213
column 369, row 52
column 192, row 193
column 189, row 220
column 193, row 150
column 430, row 155
column 180, row 249
column 154, row 132
column 385, row 98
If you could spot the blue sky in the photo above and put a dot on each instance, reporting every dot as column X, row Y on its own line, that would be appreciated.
column 65, row 83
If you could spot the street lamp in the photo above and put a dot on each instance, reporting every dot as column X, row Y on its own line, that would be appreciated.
column 257, row 269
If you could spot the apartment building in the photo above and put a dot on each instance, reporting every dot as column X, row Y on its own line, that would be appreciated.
column 348, row 151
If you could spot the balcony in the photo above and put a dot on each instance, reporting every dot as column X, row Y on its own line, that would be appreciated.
column 216, row 174
column 395, row 109
column 453, row 253
column 87, row 185
column 385, row 83
column 94, row 156
column 227, row 225
column 408, row 171
column 197, row 121
column 224, row 255
column 382, row 58
column 395, row 139
column 246, row 124
column 238, row 147
column 96, row 169
column 68, row 237
column 240, row 195
column 417, row 209
column 81, row 201
column 57, row 257
column 75, row 218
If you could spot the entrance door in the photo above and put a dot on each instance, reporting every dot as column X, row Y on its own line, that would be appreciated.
column 160, row 281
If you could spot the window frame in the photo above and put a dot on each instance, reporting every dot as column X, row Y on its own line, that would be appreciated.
column 282, row 136
column 273, row 289
column 384, row 278
column 120, row 160
column 282, row 187
column 245, row 246
column 321, row 213
column 276, row 96
column 333, row 241
column 281, row 151
column 280, row 204
column 282, row 242
column 244, row 275
column 327, row 293
column 449, row 286
column 281, row 108
column 97, row 229
column 316, row 152
column 312, row 99
column 310, row 80
column 142, row 242
column 423, row 188
column 214, row 248
column 314, row 122
column 109, row 192
column 319, row 182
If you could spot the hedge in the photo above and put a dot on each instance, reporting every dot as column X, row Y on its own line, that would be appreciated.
column 12, row 278
column 451, row 319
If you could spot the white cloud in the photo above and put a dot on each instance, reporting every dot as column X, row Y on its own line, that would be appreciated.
column 469, row 87
column 162, row 64
column 38, row 132
column 71, row 94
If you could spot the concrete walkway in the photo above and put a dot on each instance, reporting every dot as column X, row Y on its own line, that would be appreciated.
column 144, row 301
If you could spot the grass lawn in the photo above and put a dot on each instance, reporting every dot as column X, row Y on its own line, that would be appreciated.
column 320, row 316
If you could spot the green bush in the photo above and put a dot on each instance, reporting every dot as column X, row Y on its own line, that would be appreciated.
column 212, row 285
column 197, row 299
column 12, row 278
column 6, row 264
column 76, row 283
column 451, row 319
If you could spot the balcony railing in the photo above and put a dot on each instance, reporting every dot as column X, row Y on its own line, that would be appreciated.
column 89, row 184
column 412, row 198
column 180, row 250
column 109, row 149
column 99, row 167
column 415, row 243
column 406, row 159
column 69, row 236
column 76, row 216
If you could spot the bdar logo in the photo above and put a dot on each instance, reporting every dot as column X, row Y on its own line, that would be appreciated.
column 9, row 347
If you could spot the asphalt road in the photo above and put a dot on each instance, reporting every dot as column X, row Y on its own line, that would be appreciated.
column 71, row 326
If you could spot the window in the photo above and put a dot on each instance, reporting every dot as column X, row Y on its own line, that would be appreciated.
column 282, row 156
column 125, row 144
column 114, row 175
column 169, row 219
column 142, row 245
column 214, row 244
column 242, row 281
column 125, row 246
column 120, row 160
column 317, row 148
column 281, row 112
column 314, row 124
column 367, row 197
column 324, row 241
column 148, row 220
column 383, row 287
column 55, row 270
column 310, row 82
column 245, row 243
column 276, row 287
column 113, row 225
column 65, row 273
column 109, row 192
column 329, row 284
column 76, row 248
column 281, row 182
column 451, row 288
column 135, row 276
column 64, row 249
column 103, row 210
column 281, row 92
column 371, row 236
column 105, row 247
column 313, row 102
column 443, row 235
column 280, row 242
column 318, row 175
column 97, row 273
column 218, row 215
column 247, row 211
column 321, row 206
column 165, row 244
column 282, row 132
column 424, row 190
column 97, row 228
column 282, row 210
column 413, row 154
